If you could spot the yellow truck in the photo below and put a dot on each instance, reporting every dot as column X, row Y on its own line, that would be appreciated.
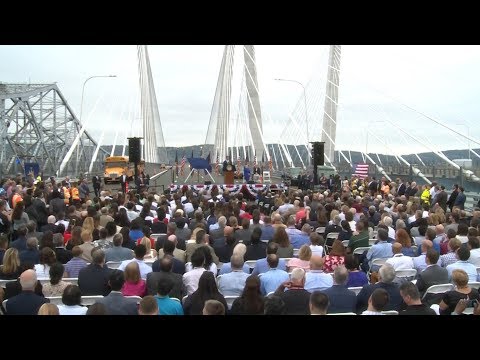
column 117, row 166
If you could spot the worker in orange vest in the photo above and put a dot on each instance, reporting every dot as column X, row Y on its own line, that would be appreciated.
column 66, row 193
column 75, row 194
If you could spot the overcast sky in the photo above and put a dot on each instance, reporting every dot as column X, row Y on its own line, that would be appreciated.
column 440, row 81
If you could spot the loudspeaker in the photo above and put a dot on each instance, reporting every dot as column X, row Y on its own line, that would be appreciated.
column 134, row 150
column 318, row 153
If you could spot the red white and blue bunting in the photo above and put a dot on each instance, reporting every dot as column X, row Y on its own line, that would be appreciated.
column 253, row 189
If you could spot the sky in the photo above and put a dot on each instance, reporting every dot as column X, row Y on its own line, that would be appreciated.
column 442, row 82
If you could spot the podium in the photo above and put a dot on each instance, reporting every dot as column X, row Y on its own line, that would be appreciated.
column 228, row 177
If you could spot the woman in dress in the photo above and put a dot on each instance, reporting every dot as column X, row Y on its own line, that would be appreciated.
column 134, row 285
column 335, row 257
column 56, row 286
column 461, row 291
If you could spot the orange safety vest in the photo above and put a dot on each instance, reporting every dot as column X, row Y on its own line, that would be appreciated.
column 66, row 195
column 75, row 195
column 16, row 198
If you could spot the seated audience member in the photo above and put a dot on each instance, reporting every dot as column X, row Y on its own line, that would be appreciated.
column 97, row 309
column 93, row 279
column 27, row 302
column 303, row 260
column 434, row 274
column 233, row 283
column 10, row 269
column 335, row 257
column 411, row 297
column 261, row 265
column 251, row 301
column 118, row 252
column 213, row 307
column 72, row 302
column 341, row 299
column 296, row 298
column 166, row 305
column 166, row 270
column 56, row 286
column 274, row 305
column 134, row 285
column 75, row 264
column 356, row 277
column 318, row 303
column 377, row 302
column 115, row 302
column 48, row 309
column 148, row 306
column 316, row 279
column 316, row 244
column 271, row 279
column 462, row 291
column 207, row 289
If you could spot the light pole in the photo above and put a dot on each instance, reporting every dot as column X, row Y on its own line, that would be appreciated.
column 81, row 109
column 83, row 90
column 306, row 111
column 468, row 134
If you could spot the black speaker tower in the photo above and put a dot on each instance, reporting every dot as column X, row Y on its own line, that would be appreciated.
column 134, row 153
column 318, row 149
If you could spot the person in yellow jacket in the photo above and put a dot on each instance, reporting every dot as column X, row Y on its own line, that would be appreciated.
column 75, row 194
column 66, row 194
column 425, row 197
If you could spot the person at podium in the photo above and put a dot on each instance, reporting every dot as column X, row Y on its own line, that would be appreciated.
column 228, row 170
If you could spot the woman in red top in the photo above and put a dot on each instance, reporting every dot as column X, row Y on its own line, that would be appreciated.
column 134, row 285
column 335, row 257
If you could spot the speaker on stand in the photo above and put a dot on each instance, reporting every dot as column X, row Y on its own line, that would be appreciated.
column 318, row 156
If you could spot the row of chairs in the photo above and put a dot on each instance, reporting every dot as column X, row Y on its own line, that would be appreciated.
column 73, row 281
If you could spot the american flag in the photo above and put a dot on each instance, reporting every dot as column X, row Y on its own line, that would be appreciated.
column 217, row 165
column 182, row 164
column 361, row 170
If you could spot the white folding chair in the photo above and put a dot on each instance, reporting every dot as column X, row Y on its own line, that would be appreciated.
column 3, row 283
column 360, row 250
column 474, row 284
column 355, row 289
column 390, row 312
column 265, row 241
column 295, row 252
column 371, row 242
column 251, row 263
column 345, row 243
column 345, row 313
column 113, row 264
column 407, row 274
column 90, row 299
column 44, row 281
column 184, row 298
column 4, row 303
column 57, row 300
column 73, row 281
column 138, row 298
column 320, row 230
column 333, row 236
column 176, row 299
column 438, row 289
column 230, row 299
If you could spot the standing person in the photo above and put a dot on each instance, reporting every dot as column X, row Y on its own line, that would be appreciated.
column 246, row 173
column 453, row 197
column 84, row 191
column 123, row 183
column 96, row 182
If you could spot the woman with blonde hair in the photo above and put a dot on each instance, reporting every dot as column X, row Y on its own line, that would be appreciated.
column 88, row 225
column 303, row 260
column 151, row 253
column 461, row 291
column 75, row 239
column 48, row 309
column 10, row 270
column 134, row 285
column 333, row 213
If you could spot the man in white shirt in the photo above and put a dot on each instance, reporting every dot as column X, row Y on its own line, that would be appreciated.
column 399, row 261
column 140, row 251
column 191, row 278
column 474, row 245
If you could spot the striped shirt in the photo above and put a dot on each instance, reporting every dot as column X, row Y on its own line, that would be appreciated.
column 73, row 267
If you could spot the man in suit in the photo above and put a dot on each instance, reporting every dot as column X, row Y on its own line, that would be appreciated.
column 177, row 253
column 93, row 279
column 166, row 265
column 63, row 255
column 201, row 240
column 96, row 182
column 123, row 183
column 373, row 186
column 115, row 302
column 27, row 302
column 441, row 199
column 341, row 299
column 117, row 252
column 401, row 187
